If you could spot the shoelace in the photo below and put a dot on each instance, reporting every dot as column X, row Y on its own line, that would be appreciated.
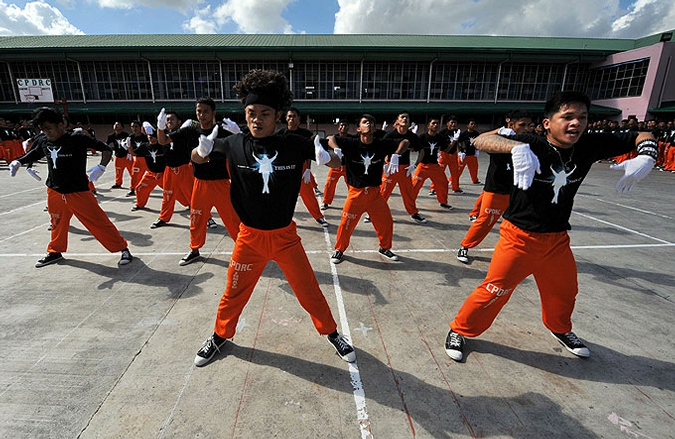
column 342, row 344
column 573, row 339
column 455, row 339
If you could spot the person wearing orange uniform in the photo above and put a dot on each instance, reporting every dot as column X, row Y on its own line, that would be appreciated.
column 449, row 158
column 123, row 160
column 266, row 170
column 138, row 167
column 427, row 167
column 468, row 155
column 67, row 184
column 334, row 174
column 153, row 154
column 534, row 240
column 494, row 198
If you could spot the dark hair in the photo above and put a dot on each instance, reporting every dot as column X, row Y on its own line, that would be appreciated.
column 450, row 117
column 560, row 99
column 174, row 113
column 46, row 114
column 471, row 120
column 137, row 122
column 265, row 82
column 207, row 101
column 519, row 114
column 370, row 117
column 294, row 110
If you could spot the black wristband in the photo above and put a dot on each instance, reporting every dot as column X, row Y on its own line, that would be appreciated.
column 648, row 147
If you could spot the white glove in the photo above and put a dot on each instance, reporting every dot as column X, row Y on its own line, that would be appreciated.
column 634, row 170
column 231, row 126
column 477, row 153
column 338, row 152
column 25, row 146
column 148, row 128
column 414, row 129
column 307, row 176
column 503, row 131
column 384, row 125
column 187, row 123
column 34, row 173
column 96, row 172
column 525, row 164
column 206, row 142
column 462, row 156
column 322, row 156
column 125, row 143
column 130, row 157
column 161, row 120
column 455, row 136
column 77, row 130
column 409, row 170
column 393, row 163
column 13, row 167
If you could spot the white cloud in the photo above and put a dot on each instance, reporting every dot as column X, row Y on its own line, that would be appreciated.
column 573, row 18
column 249, row 16
column 179, row 5
column 36, row 18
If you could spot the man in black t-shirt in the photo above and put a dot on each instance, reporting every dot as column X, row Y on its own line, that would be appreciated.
column 547, row 173
column 153, row 154
column 68, row 191
column 123, row 160
column 468, row 155
column 266, row 170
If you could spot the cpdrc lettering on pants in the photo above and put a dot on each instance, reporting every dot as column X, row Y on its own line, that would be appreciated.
column 237, row 266
column 497, row 291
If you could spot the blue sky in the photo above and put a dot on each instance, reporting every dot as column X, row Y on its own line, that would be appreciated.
column 573, row 18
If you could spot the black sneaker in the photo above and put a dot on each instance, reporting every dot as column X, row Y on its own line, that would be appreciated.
column 388, row 254
column 126, row 257
column 472, row 218
column 212, row 224
column 343, row 348
column 432, row 193
column 116, row 186
column 317, row 192
column 458, row 191
column 323, row 222
column 50, row 258
column 463, row 255
column 446, row 206
column 131, row 193
column 477, row 182
column 418, row 218
column 572, row 344
column 137, row 207
column 158, row 223
column 337, row 257
column 189, row 258
column 324, row 206
column 207, row 351
column 454, row 345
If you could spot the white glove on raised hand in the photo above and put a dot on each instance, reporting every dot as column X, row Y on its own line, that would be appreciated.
column 231, row 126
column 393, row 163
column 307, row 176
column 384, row 125
column 34, row 173
column 455, row 136
column 462, row 156
column 477, row 153
column 338, row 152
column 322, row 156
column 414, row 129
column 503, row 131
column 25, row 145
column 148, row 128
column 96, row 172
column 13, row 167
column 161, row 120
column 409, row 170
column 634, row 170
column 525, row 164
column 206, row 142
column 187, row 123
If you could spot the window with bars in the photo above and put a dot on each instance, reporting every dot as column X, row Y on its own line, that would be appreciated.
column 619, row 80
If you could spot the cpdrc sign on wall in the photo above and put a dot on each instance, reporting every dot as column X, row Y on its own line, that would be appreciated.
column 35, row 90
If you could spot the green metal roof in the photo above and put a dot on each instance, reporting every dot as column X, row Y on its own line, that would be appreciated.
column 668, row 107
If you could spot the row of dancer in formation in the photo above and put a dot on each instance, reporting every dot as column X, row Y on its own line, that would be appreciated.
column 253, row 178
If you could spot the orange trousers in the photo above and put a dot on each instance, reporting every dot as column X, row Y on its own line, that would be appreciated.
column 471, row 162
column 149, row 181
column 309, row 198
column 334, row 175
column 86, row 209
column 206, row 195
column 138, row 170
column 451, row 162
column 371, row 201
column 475, row 210
column 122, row 163
column 491, row 208
column 669, row 161
column 252, row 250
column 437, row 176
column 517, row 255
column 404, row 185
column 178, row 184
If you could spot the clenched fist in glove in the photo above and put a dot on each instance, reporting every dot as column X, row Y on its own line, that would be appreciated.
column 322, row 156
column 96, row 172
column 634, row 170
column 525, row 164
column 206, row 142
column 148, row 128
column 13, row 167
column 161, row 120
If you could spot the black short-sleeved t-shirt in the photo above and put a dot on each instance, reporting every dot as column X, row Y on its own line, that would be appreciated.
column 499, row 175
column 547, row 205
column 413, row 146
column 265, row 176
column 115, row 142
column 212, row 170
column 364, row 162
column 431, row 146
column 153, row 153
column 177, row 152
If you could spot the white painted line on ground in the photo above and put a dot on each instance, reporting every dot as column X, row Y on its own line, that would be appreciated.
column 622, row 228
column 354, row 372
column 647, row 212
column 27, row 206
